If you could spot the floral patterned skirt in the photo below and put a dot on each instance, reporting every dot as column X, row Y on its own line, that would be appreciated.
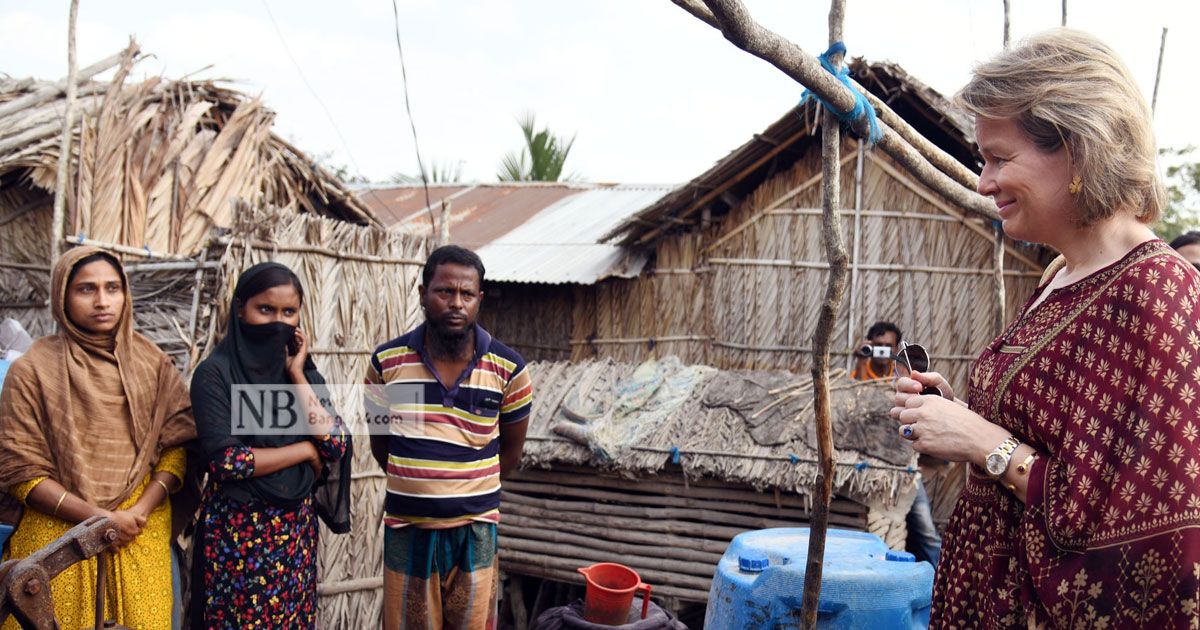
column 255, row 565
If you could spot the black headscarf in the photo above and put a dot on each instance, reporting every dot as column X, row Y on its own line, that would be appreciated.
column 255, row 354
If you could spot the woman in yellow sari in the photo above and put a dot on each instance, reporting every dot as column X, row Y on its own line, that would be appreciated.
column 94, row 419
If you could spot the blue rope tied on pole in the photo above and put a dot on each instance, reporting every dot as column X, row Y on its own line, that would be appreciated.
column 861, row 106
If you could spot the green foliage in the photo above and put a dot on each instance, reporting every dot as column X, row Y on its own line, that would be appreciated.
column 540, row 160
column 1183, row 194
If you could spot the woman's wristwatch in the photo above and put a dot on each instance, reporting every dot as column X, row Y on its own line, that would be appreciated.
column 997, row 461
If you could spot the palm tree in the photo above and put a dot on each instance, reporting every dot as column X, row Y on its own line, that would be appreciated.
column 540, row 160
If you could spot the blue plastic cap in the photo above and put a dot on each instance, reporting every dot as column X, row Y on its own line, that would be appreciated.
column 900, row 556
column 753, row 562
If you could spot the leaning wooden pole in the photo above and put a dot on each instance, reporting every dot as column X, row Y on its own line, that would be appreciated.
column 1162, row 49
column 930, row 165
column 1007, row 23
column 64, row 153
column 998, row 245
column 835, row 250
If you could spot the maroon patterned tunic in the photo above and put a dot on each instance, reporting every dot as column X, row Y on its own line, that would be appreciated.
column 1103, row 379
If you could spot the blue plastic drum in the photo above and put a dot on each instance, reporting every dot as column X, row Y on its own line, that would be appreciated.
column 760, row 583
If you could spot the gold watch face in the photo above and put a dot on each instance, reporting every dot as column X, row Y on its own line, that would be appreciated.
column 996, row 463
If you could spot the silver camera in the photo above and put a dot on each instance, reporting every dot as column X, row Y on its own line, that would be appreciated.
column 868, row 351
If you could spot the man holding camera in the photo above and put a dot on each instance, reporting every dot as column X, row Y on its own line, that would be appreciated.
column 877, row 359
column 877, row 354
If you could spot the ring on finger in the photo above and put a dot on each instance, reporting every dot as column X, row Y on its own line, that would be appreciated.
column 906, row 431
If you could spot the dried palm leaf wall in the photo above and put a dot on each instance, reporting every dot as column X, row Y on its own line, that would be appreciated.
column 24, row 256
column 360, row 291
column 744, row 293
column 534, row 319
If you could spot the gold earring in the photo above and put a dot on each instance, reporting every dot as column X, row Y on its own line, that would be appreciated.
column 1075, row 186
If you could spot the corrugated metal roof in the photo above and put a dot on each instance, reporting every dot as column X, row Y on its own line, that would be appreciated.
column 560, row 244
column 546, row 232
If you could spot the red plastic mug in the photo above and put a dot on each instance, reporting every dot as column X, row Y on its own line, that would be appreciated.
column 610, row 590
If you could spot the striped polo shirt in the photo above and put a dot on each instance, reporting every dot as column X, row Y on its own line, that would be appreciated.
column 444, row 444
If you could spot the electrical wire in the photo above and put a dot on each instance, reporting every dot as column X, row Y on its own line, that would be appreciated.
column 287, row 49
column 412, row 124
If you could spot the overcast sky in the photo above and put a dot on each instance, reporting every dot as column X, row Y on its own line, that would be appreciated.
column 652, row 95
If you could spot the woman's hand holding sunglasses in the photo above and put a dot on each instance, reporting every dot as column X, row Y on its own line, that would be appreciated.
column 943, row 428
column 922, row 383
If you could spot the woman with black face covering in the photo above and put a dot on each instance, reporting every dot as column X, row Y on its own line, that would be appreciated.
column 256, row 541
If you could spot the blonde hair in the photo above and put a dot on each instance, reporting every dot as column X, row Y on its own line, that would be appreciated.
column 1066, row 87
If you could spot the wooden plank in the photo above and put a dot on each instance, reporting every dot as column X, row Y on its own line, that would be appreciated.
column 635, row 537
column 704, row 489
column 677, row 528
column 601, row 542
column 700, row 569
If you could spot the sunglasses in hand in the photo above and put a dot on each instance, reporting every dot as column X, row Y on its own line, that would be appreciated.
column 916, row 359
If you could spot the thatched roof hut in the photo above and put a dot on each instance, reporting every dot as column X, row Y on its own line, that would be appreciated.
column 155, row 167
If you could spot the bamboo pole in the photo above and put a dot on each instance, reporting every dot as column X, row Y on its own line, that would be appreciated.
column 702, row 569
column 314, row 249
column 681, row 550
column 349, row 586
column 1162, row 49
column 194, row 318
column 1007, row 23
column 646, row 506
column 665, row 482
column 64, row 152
column 835, row 250
column 125, row 249
column 52, row 91
column 852, row 329
column 804, row 264
column 998, row 282
column 725, row 495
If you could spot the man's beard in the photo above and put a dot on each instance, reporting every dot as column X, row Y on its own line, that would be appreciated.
column 449, row 344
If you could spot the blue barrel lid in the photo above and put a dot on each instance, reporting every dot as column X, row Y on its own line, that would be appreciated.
column 753, row 561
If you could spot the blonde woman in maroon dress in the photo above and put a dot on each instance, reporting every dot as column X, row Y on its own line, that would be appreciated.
column 1082, row 420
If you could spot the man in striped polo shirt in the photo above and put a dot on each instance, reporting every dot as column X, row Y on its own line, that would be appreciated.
column 457, row 402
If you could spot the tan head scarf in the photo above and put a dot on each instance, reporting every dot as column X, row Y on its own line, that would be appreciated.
column 53, row 391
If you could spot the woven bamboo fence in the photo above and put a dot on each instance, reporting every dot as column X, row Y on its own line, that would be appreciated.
column 360, row 291
column 743, row 293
